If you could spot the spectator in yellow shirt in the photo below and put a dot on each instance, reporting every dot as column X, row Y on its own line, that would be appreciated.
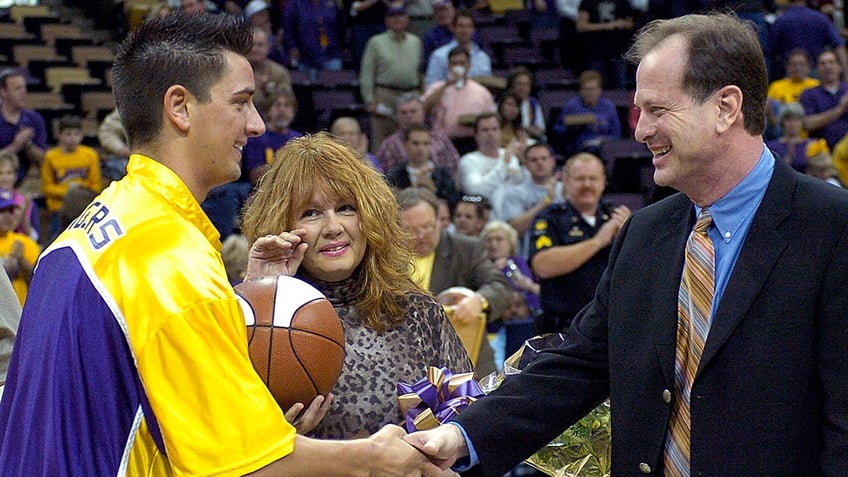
column 788, row 89
column 69, row 164
column 18, row 252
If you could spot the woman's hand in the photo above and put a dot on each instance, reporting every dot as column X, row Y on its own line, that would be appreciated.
column 273, row 255
column 311, row 416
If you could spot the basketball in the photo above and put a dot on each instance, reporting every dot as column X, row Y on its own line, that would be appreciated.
column 295, row 338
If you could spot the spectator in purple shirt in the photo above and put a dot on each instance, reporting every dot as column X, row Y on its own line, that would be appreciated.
column 826, row 105
column 588, row 119
column 259, row 151
column 312, row 35
column 440, row 34
column 543, row 13
column 224, row 202
column 802, row 27
column 22, row 131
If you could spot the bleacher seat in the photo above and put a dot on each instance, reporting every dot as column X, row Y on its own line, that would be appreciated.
column 555, row 79
column 65, row 36
column 33, row 23
column 492, row 35
column 337, row 79
column 98, row 59
column 626, row 161
column 49, row 32
column 330, row 103
column 633, row 200
column 18, row 12
column 23, row 54
column 529, row 56
column 483, row 18
column 96, row 104
column 36, row 58
column 553, row 98
column 546, row 40
column 56, row 76
column 41, row 100
column 12, row 35
column 300, row 78
column 10, row 30
column 520, row 19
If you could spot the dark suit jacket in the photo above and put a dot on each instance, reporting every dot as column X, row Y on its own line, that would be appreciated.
column 462, row 261
column 398, row 177
column 771, row 394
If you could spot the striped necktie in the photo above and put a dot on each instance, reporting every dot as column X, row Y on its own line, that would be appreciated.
column 694, row 302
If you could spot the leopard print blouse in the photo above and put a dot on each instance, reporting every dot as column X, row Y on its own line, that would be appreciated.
column 366, row 392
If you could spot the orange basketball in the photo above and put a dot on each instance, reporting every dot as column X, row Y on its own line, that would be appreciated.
column 295, row 338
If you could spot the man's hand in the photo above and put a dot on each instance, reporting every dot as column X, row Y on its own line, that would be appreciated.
column 399, row 455
column 443, row 445
column 453, row 77
column 13, row 261
column 23, row 137
column 468, row 308
column 273, row 255
column 608, row 231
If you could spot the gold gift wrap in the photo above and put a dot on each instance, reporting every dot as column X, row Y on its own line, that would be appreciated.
column 582, row 450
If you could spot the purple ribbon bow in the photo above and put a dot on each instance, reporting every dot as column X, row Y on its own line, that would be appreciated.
column 437, row 398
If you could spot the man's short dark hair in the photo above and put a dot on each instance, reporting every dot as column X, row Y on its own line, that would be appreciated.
column 173, row 50
column 463, row 12
column 458, row 50
column 797, row 52
column 516, row 72
column 416, row 127
column 69, row 121
column 722, row 50
column 481, row 203
column 483, row 116
column 7, row 73
column 412, row 196
column 539, row 145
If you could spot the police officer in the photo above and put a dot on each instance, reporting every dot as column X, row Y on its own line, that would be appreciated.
column 571, row 242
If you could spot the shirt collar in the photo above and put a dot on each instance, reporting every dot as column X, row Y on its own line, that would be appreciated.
column 732, row 210
column 430, row 165
column 453, row 44
column 161, row 180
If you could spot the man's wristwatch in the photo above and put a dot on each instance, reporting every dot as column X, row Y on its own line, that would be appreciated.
column 484, row 302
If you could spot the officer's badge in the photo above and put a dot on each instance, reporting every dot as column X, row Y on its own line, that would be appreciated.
column 540, row 225
column 543, row 242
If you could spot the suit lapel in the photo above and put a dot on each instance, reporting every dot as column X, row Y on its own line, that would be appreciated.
column 760, row 252
column 440, row 274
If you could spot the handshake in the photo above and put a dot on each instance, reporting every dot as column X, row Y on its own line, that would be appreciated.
column 426, row 405
column 427, row 453
column 443, row 446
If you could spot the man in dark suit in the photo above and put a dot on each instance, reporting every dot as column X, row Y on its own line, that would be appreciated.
column 446, row 260
column 768, row 394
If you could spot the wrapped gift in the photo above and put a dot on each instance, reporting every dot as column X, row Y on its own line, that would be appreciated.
column 437, row 398
column 582, row 450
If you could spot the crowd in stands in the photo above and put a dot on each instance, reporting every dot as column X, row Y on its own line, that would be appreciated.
column 433, row 103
